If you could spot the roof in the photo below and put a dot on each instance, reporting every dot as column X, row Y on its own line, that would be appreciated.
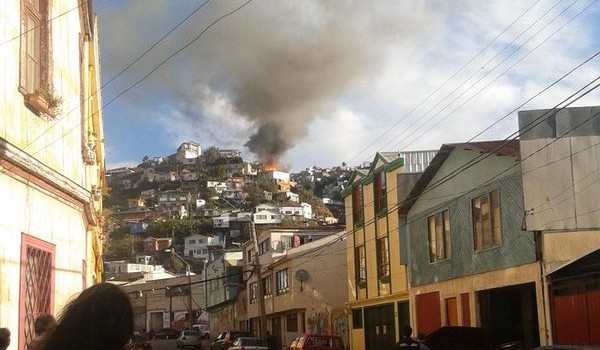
column 499, row 148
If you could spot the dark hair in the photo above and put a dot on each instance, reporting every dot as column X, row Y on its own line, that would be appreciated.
column 43, row 323
column 100, row 318
column 4, row 338
column 407, row 331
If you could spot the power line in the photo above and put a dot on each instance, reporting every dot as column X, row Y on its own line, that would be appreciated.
column 495, row 79
column 42, row 24
column 446, row 81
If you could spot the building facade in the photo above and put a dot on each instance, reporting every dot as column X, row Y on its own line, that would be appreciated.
column 51, row 159
column 378, row 291
column 469, row 258
column 560, row 151
column 301, row 282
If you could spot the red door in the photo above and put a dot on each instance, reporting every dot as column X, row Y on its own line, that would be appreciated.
column 429, row 316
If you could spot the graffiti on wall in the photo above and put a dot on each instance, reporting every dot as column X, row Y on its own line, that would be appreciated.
column 339, row 325
column 330, row 322
column 318, row 323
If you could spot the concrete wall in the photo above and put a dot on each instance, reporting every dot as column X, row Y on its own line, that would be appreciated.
column 561, row 160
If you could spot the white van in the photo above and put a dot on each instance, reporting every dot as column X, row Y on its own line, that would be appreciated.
column 203, row 328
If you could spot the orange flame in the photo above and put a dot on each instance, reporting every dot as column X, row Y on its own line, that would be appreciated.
column 270, row 165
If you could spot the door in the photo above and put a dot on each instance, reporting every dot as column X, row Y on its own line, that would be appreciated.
column 380, row 330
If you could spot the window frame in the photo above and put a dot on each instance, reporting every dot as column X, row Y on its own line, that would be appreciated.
column 40, row 30
column 26, row 332
column 440, row 241
column 383, row 258
column 267, row 286
column 360, row 266
column 264, row 246
column 253, row 292
column 357, row 205
column 281, row 281
column 380, row 192
column 490, row 221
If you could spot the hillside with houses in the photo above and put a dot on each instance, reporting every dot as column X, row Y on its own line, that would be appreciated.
column 198, row 202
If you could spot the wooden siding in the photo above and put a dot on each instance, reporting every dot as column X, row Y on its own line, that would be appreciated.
column 517, row 248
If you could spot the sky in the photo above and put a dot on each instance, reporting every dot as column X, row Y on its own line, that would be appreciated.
column 321, row 83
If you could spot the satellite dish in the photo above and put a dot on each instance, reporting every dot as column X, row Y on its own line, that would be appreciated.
column 301, row 275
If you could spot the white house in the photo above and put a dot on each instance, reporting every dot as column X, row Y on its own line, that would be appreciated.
column 221, row 221
column 196, row 245
column 307, row 210
column 188, row 150
column 266, row 206
column 267, row 217
column 292, row 197
column 291, row 210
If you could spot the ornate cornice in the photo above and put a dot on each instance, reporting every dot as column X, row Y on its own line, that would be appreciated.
column 48, row 178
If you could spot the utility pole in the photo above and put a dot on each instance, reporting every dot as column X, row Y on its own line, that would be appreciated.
column 261, row 299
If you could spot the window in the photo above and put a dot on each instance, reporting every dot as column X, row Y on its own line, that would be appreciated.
column 291, row 322
column 267, row 290
column 357, row 322
column 261, row 217
column 37, row 284
column 192, row 241
column 281, row 281
column 383, row 262
column 249, row 256
column 253, row 292
column 439, row 236
column 264, row 246
column 380, row 193
column 287, row 241
column 360, row 266
column 35, row 45
column 357, row 202
column 486, row 221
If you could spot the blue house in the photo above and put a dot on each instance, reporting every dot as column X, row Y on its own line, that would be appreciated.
column 470, row 261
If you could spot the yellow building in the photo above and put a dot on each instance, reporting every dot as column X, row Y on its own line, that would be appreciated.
column 51, row 159
column 378, row 292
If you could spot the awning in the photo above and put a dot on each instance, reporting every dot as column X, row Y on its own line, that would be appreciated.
column 587, row 264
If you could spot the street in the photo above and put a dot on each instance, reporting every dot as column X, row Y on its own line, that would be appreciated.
column 171, row 344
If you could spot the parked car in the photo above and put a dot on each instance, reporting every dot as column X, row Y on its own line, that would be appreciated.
column 167, row 333
column 204, row 330
column 249, row 343
column 189, row 338
column 316, row 342
column 458, row 338
column 225, row 339
column 141, row 341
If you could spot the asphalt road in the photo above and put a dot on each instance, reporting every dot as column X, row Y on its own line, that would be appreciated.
column 171, row 344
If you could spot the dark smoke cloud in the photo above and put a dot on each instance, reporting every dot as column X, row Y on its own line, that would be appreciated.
column 276, row 63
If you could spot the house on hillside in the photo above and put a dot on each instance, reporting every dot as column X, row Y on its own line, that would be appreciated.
column 153, row 244
column 187, row 152
column 468, row 256
column 560, row 156
column 52, row 159
column 267, row 217
column 196, row 246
